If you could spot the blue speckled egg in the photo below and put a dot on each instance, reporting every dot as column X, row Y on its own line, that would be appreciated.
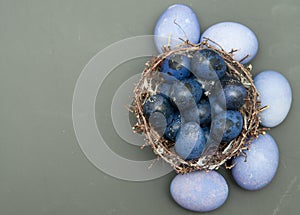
column 158, row 104
column 164, row 88
column 228, row 123
column 194, row 87
column 199, row 191
column 177, row 21
column 177, row 66
column 181, row 96
column 190, row 141
column 235, row 93
column 206, row 131
column 189, row 115
column 204, row 112
column 232, row 35
column 261, row 165
column 173, row 128
column 275, row 91
column 207, row 64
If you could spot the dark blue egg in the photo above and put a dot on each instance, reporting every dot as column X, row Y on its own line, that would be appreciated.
column 235, row 93
column 160, row 105
column 212, row 145
column 217, row 103
column 164, row 89
column 185, row 95
column 190, row 115
column 200, row 113
column 158, row 122
column 194, row 87
column 181, row 96
column 208, row 65
column 165, row 78
column 177, row 66
column 206, row 131
column 173, row 128
column 227, row 125
column 190, row 141
column 204, row 111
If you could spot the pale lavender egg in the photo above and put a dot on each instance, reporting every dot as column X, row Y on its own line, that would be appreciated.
column 275, row 91
column 177, row 21
column 232, row 35
column 199, row 191
column 261, row 165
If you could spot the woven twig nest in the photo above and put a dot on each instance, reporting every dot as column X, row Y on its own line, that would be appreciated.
column 148, row 85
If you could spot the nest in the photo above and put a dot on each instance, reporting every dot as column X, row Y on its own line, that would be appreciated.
column 147, row 86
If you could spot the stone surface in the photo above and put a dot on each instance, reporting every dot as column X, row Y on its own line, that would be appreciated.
column 232, row 35
column 177, row 21
column 199, row 191
column 261, row 165
column 275, row 91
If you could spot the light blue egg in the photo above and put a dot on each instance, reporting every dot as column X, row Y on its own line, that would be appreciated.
column 199, row 191
column 261, row 165
column 275, row 91
column 177, row 21
column 232, row 35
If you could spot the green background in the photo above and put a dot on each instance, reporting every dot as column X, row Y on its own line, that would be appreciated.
column 44, row 45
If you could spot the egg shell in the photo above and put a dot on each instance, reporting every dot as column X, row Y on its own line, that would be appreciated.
column 275, row 91
column 261, row 164
column 227, row 125
column 207, row 64
column 232, row 35
column 199, row 191
column 177, row 66
column 190, row 141
column 177, row 21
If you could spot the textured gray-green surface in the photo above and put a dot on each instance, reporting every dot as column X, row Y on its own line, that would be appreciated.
column 44, row 46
